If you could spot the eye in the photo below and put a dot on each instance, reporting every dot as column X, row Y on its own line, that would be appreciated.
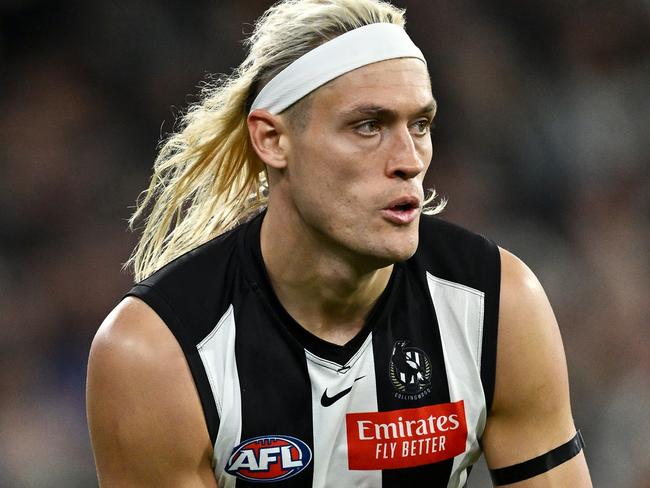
column 368, row 127
column 422, row 127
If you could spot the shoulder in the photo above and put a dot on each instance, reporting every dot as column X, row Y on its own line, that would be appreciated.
column 134, row 364
column 531, row 412
column 527, row 325
column 199, row 266
column 521, row 292
column 133, row 332
column 531, row 366
column 195, row 289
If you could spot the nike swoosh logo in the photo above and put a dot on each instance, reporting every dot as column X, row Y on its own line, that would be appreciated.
column 326, row 401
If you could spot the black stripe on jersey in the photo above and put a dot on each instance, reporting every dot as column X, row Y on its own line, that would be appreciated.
column 411, row 318
column 492, row 277
column 274, row 384
column 272, row 366
column 159, row 305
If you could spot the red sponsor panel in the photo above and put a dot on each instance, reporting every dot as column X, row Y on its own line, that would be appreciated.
column 406, row 438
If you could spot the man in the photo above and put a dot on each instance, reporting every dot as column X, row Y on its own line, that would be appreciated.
column 336, row 337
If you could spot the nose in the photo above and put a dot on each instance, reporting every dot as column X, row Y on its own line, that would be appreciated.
column 404, row 159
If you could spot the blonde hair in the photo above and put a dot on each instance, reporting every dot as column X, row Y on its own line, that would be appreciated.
column 207, row 178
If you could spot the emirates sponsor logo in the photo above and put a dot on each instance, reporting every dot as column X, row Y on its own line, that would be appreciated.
column 407, row 437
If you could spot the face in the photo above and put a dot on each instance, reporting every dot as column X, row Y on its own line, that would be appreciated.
column 355, row 170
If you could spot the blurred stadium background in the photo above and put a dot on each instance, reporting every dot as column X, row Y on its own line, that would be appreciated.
column 541, row 143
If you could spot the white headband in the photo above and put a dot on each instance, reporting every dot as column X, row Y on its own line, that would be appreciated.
column 365, row 45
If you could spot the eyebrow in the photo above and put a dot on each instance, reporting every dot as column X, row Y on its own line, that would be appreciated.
column 383, row 112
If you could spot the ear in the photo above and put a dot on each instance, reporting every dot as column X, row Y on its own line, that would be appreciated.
column 269, row 136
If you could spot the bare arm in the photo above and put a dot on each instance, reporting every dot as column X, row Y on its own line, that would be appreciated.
column 145, row 418
column 531, row 412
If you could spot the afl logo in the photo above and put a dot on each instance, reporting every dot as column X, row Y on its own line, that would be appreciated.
column 269, row 458
column 410, row 372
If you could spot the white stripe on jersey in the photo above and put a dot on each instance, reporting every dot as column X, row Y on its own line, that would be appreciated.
column 459, row 310
column 217, row 352
column 330, row 436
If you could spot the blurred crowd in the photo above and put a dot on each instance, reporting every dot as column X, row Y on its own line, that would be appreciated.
column 541, row 143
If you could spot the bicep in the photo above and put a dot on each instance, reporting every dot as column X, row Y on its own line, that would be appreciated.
column 531, row 412
column 145, row 419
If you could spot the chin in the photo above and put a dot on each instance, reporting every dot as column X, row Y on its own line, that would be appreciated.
column 403, row 254
column 396, row 251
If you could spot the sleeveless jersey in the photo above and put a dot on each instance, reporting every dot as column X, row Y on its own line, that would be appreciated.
column 404, row 403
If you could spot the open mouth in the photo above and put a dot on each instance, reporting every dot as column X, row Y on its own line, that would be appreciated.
column 404, row 204
column 402, row 207
column 402, row 211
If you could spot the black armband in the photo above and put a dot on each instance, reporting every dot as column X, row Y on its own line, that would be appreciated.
column 540, row 464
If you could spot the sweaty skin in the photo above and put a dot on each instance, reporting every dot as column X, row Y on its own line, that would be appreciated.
column 328, row 246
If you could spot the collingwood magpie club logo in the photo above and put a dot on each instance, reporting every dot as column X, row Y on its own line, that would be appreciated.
column 410, row 371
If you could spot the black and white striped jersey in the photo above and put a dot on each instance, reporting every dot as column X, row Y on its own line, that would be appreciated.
column 404, row 403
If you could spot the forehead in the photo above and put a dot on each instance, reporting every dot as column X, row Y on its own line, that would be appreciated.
column 396, row 84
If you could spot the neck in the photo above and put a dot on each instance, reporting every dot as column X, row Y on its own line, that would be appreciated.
column 326, row 290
